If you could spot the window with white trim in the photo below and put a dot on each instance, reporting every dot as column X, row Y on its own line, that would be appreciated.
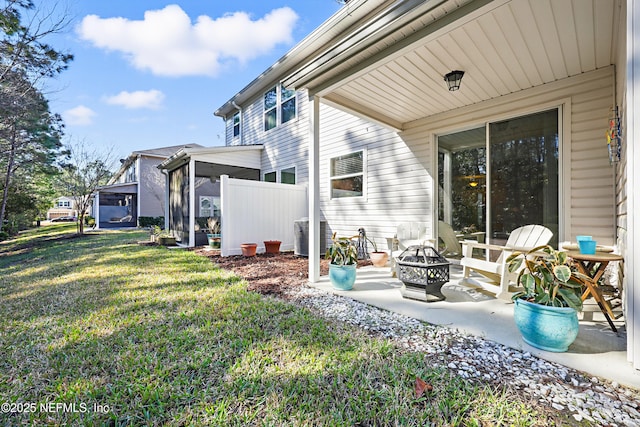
column 287, row 104
column 270, row 110
column 270, row 176
column 236, row 124
column 279, row 106
column 288, row 175
column 347, row 175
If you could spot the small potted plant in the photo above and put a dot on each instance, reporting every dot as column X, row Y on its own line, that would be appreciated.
column 343, row 260
column 213, row 236
column 166, row 239
column 546, row 311
column 154, row 233
column 248, row 249
column 378, row 258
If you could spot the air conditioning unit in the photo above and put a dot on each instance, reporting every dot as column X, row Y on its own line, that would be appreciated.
column 301, row 237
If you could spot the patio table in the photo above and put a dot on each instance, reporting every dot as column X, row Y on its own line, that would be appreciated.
column 593, row 267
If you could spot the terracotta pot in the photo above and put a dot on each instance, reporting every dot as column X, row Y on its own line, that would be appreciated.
column 248, row 249
column 379, row 259
column 272, row 246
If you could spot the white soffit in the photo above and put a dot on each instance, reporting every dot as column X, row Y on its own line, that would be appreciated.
column 503, row 46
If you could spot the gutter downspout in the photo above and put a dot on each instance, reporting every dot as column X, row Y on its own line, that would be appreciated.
column 241, row 112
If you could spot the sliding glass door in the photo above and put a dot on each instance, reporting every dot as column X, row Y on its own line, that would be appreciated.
column 496, row 178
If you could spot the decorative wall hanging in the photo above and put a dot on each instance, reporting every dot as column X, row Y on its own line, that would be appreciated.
column 614, row 136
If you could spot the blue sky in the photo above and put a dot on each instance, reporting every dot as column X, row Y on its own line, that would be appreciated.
column 151, row 73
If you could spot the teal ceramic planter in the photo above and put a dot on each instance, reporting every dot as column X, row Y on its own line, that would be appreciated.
column 342, row 276
column 544, row 327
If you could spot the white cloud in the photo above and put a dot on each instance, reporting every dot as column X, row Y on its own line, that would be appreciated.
column 151, row 99
column 168, row 43
column 79, row 116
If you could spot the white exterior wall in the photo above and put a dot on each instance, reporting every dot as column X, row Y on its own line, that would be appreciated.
column 398, row 166
column 587, row 195
column 396, row 183
column 285, row 146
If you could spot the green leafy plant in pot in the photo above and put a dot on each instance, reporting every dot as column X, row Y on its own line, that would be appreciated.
column 343, row 260
column 213, row 236
column 546, row 309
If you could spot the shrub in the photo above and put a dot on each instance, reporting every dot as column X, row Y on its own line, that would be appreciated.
column 150, row 221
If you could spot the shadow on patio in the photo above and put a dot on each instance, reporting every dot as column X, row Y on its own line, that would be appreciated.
column 597, row 350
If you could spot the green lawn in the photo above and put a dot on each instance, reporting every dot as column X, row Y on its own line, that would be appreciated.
column 139, row 335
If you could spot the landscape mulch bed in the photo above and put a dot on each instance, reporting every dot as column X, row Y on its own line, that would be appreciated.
column 269, row 274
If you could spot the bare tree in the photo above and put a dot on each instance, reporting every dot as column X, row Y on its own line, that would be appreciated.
column 85, row 170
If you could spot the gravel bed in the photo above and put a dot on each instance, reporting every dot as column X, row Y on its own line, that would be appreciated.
column 587, row 398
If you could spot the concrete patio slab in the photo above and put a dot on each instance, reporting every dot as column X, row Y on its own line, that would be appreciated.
column 597, row 350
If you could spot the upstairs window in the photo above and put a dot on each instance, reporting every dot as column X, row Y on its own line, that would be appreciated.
column 347, row 175
column 236, row 124
column 279, row 106
column 270, row 110
column 287, row 104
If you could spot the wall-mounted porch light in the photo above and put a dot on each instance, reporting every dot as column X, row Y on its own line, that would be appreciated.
column 453, row 79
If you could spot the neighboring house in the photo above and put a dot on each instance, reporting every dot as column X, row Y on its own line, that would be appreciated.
column 63, row 207
column 379, row 139
column 136, row 189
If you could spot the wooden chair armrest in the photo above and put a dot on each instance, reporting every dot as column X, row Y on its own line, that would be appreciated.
column 474, row 244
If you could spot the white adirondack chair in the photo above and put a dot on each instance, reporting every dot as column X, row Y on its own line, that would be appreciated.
column 451, row 245
column 409, row 234
column 521, row 239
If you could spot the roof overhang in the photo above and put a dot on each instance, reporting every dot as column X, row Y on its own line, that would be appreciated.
column 247, row 156
column 338, row 26
column 390, row 67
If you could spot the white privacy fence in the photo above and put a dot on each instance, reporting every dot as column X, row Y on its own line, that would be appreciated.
column 255, row 211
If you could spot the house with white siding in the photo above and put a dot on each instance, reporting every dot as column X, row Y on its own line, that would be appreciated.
column 379, row 139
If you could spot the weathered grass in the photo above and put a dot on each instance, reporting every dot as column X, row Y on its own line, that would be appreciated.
column 163, row 337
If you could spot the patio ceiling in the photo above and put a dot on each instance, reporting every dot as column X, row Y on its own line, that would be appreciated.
column 391, row 68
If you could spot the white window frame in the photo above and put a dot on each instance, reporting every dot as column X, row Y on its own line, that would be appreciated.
column 275, row 174
column 278, row 107
column 295, row 174
column 363, row 173
column 282, row 101
column 235, row 125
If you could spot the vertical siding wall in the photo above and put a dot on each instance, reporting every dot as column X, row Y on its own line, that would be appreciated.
column 254, row 211
column 397, row 184
column 588, row 200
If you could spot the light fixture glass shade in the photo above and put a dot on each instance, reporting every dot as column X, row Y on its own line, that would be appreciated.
column 453, row 79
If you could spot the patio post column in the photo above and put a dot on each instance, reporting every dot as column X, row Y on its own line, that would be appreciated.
column 167, row 196
column 192, row 202
column 632, row 258
column 314, row 189
column 96, row 209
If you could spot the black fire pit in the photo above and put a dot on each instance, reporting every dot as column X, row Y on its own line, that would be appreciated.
column 423, row 271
